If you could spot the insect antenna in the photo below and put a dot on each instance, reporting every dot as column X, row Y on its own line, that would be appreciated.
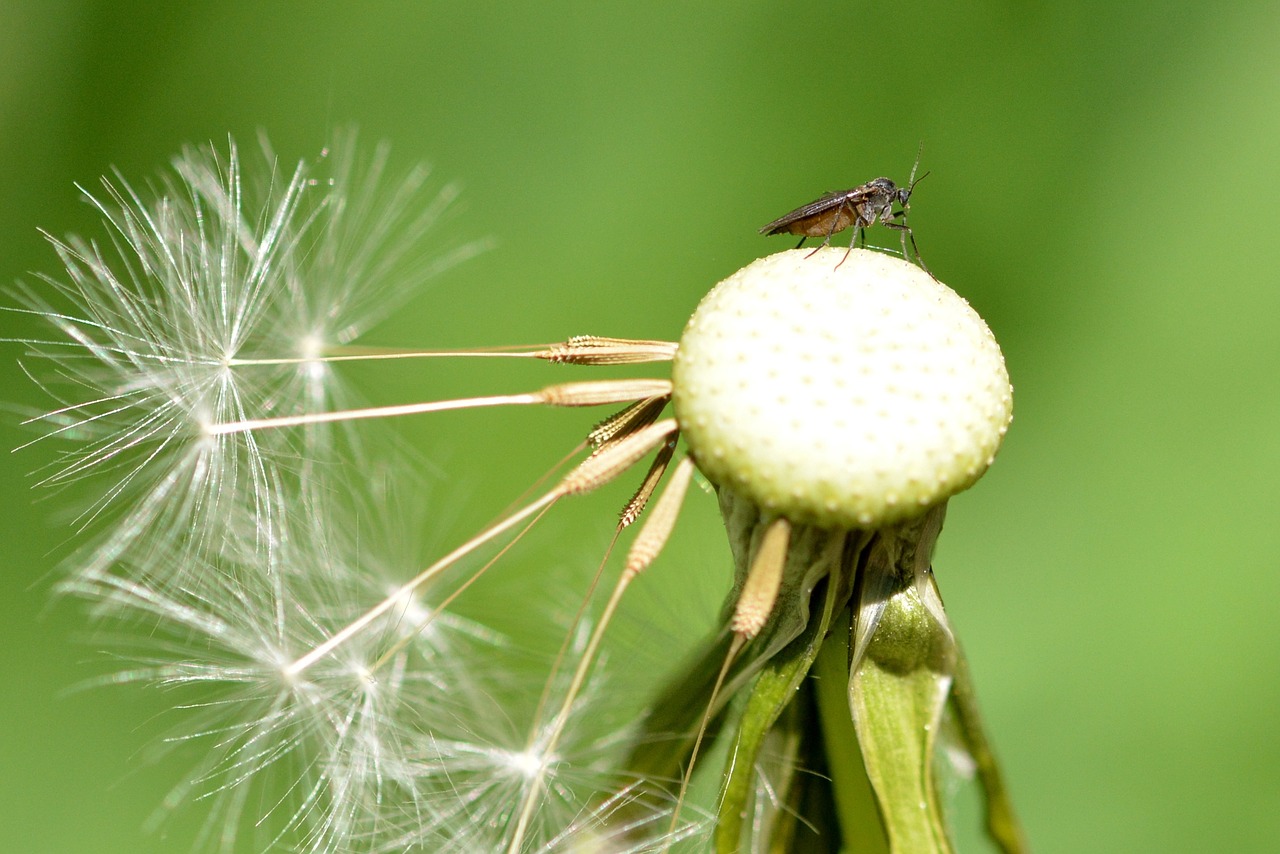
column 911, row 182
column 904, row 197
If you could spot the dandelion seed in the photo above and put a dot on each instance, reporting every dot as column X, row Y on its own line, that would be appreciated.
column 329, row 751
column 213, row 300
column 581, row 793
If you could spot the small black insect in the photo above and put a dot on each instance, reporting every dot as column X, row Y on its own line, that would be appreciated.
column 860, row 208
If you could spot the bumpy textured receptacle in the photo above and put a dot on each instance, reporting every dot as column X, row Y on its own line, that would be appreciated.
column 842, row 397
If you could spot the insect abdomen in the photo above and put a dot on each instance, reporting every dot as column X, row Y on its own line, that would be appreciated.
column 819, row 224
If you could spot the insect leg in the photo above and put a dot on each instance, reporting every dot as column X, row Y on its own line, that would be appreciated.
column 908, row 234
column 858, row 233
column 802, row 240
column 831, row 229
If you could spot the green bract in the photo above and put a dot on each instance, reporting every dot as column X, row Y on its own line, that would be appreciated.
column 846, row 396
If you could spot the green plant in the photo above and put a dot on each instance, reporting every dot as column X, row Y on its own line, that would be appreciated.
column 835, row 407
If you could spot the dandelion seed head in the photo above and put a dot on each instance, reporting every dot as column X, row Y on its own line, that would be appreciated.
column 926, row 411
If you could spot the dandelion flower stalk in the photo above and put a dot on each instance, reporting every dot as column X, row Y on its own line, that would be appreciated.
column 849, row 400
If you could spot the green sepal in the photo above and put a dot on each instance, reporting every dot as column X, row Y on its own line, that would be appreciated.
column 898, row 693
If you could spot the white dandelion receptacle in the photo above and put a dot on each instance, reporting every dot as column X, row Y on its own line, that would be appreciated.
column 848, row 396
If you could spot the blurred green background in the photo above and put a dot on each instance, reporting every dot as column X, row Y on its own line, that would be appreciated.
column 1103, row 190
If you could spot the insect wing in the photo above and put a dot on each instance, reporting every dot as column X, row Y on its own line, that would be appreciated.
column 827, row 201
